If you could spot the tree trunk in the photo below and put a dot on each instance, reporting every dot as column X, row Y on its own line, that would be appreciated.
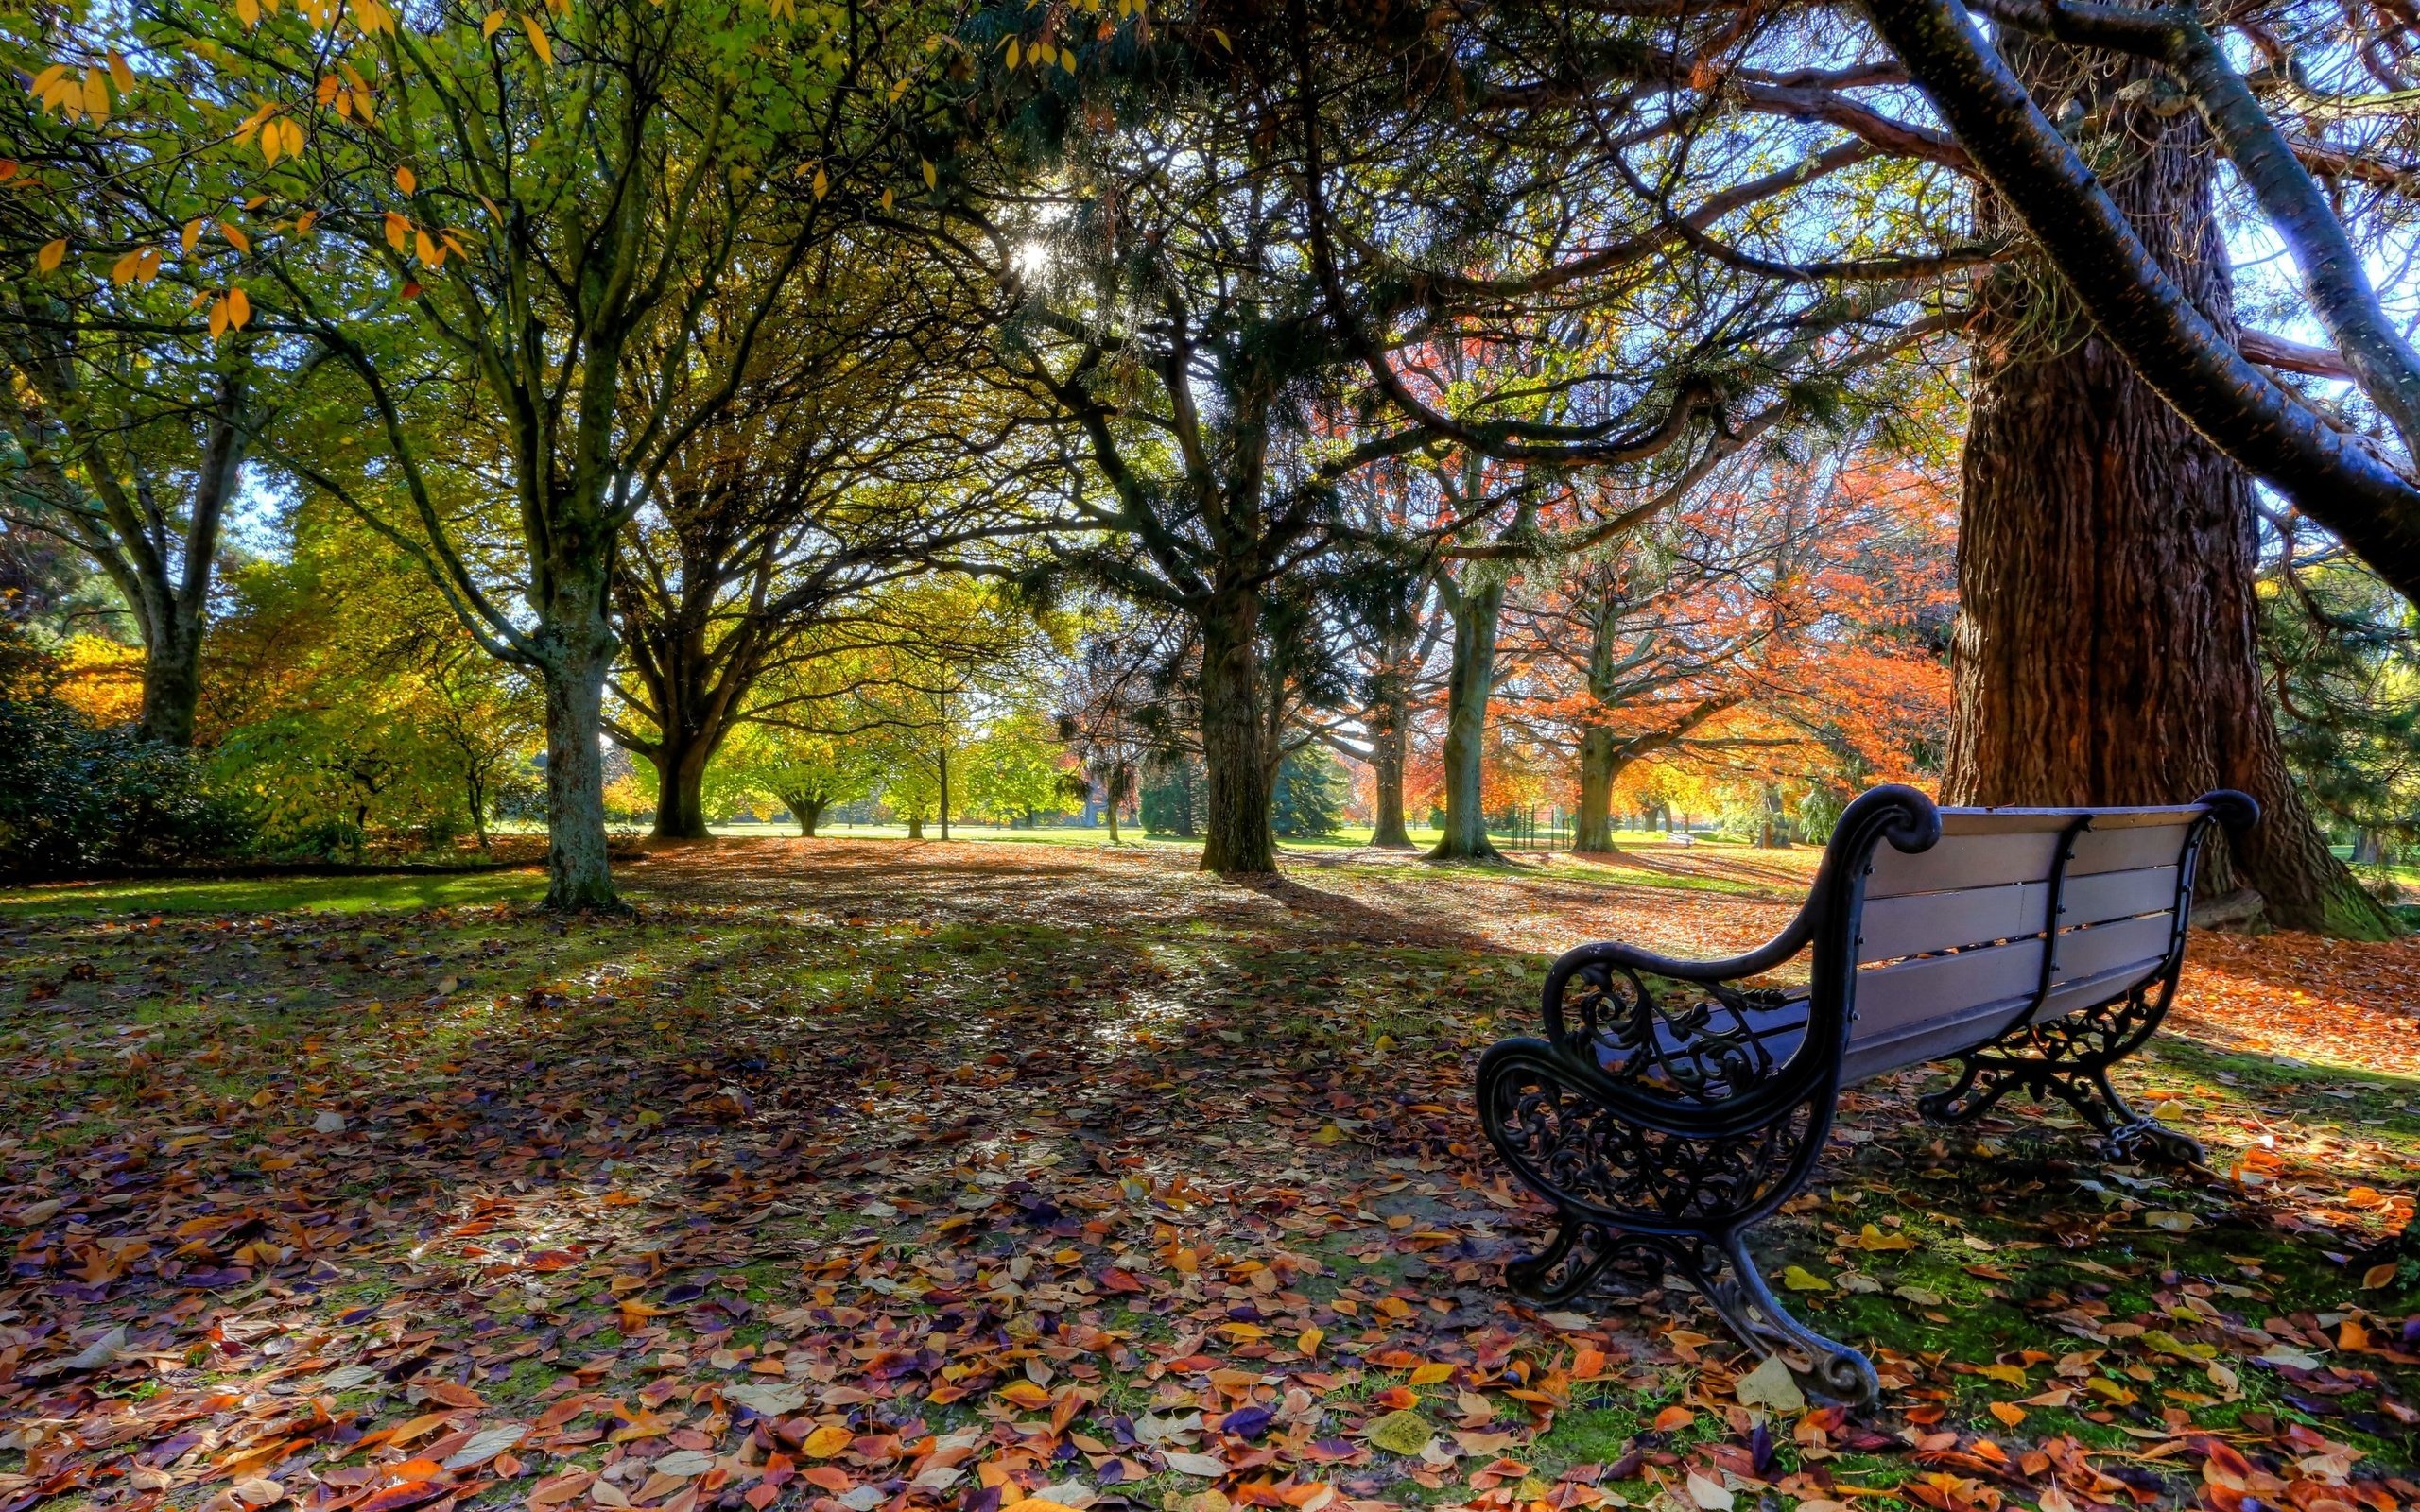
column 944, row 784
column 475, row 789
column 1593, row 831
column 1475, row 610
column 578, row 874
column 1387, row 750
column 808, row 814
column 915, row 826
column 1235, row 768
column 679, row 758
column 172, row 681
column 2106, row 647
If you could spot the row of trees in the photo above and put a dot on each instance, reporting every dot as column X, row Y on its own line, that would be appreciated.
column 1576, row 347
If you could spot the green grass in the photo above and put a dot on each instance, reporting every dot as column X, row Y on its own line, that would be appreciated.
column 1353, row 836
column 401, row 893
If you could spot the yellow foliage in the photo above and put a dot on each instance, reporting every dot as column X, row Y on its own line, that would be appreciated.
column 101, row 680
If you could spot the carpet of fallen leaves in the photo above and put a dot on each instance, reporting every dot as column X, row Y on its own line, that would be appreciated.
column 852, row 1175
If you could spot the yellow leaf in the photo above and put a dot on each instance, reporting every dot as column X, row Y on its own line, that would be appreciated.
column 293, row 138
column 192, row 234
column 239, row 308
column 821, row 184
column 272, row 143
column 886, row 199
column 120, row 75
column 123, row 269
column 303, row 222
column 235, row 237
column 1067, row 58
column 1874, row 1239
column 371, row 17
column 1799, row 1279
column 2013, row 1375
column 2008, row 1412
column 330, row 87
column 1222, row 38
column 492, row 23
column 406, row 180
column 1016, row 52
column 147, row 267
column 218, row 317
column 397, row 230
column 249, row 13
column 96, row 94
column 537, row 42
column 426, row 247
column 48, row 257
column 932, row 175
column 826, row 1442
column 2378, row 1276
column 1308, row 1341
column 1429, row 1374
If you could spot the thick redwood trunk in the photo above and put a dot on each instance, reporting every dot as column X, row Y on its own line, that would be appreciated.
column 1235, row 768
column 2106, row 645
column 1476, row 611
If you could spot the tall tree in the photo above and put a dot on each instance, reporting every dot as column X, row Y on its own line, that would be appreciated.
column 2107, row 642
column 546, row 214
column 1154, row 304
column 850, row 456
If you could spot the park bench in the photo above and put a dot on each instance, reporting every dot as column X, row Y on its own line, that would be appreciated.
column 1668, row 1107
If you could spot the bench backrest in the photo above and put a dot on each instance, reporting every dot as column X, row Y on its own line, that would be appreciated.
column 2015, row 916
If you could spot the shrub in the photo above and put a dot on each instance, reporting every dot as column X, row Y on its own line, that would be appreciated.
column 77, row 798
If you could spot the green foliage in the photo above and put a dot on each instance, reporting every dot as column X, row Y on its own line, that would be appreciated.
column 1014, row 769
column 1312, row 789
column 349, row 707
column 2346, row 675
column 1175, row 796
column 764, row 767
column 75, row 796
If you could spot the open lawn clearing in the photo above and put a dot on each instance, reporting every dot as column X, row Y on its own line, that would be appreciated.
column 903, row 1175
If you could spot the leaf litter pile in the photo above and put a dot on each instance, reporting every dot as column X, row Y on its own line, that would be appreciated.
column 847, row 1175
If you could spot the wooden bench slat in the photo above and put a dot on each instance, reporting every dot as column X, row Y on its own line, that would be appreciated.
column 1922, row 989
column 1957, row 862
column 1915, row 923
column 2098, row 948
column 2126, row 849
column 2006, row 820
column 2109, row 895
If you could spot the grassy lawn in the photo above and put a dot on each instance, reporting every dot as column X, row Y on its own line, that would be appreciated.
column 940, row 1172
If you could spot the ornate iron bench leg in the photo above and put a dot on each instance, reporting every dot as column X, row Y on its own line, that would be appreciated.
column 2070, row 1058
column 1640, row 1200
column 1751, row 1310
